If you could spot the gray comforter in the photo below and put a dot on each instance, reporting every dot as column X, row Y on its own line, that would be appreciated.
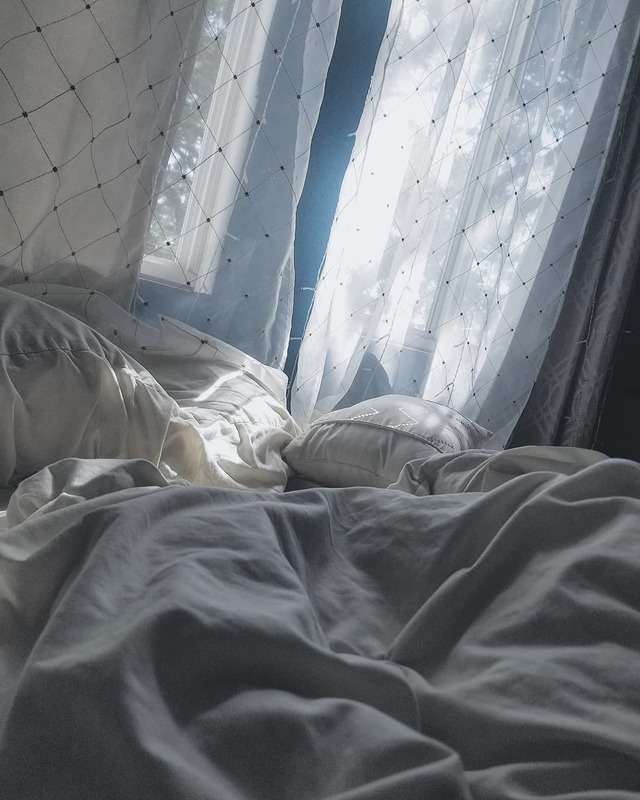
column 354, row 644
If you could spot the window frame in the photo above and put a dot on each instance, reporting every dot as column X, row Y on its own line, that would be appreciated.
column 215, row 180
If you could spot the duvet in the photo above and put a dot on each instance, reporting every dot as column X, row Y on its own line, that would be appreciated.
column 471, row 633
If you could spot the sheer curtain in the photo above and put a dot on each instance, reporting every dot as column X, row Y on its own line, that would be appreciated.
column 473, row 173
column 86, row 89
column 185, row 123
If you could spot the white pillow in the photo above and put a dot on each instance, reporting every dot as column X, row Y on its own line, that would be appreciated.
column 67, row 391
column 229, row 421
column 368, row 444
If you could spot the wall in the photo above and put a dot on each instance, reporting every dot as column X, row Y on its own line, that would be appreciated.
column 619, row 431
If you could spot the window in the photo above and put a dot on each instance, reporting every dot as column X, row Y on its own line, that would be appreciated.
column 205, row 145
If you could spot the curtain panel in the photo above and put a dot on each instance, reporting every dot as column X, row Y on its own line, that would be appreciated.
column 565, row 404
column 167, row 139
column 86, row 90
column 474, row 170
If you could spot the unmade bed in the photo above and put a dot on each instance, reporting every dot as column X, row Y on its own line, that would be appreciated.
column 439, row 623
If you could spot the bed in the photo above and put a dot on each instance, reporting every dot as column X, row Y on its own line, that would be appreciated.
column 444, row 621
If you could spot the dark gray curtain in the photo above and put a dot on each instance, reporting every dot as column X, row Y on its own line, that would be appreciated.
column 565, row 404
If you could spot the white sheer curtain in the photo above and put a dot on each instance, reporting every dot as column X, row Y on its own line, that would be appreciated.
column 473, row 172
column 85, row 90
column 193, row 115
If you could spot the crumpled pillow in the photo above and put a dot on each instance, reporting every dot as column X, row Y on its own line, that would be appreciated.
column 368, row 444
column 66, row 391
column 224, row 416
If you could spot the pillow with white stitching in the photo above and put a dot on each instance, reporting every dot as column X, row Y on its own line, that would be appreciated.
column 368, row 444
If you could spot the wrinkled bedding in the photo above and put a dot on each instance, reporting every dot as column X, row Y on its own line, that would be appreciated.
column 472, row 633
column 5, row 495
column 81, row 377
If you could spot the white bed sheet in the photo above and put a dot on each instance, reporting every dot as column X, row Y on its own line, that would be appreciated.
column 169, row 642
column 5, row 496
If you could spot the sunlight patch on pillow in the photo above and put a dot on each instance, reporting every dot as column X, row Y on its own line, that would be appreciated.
column 368, row 444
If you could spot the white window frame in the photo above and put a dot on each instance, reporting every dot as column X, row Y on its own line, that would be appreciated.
column 214, row 181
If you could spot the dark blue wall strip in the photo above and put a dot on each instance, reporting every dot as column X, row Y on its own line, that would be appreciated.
column 362, row 26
